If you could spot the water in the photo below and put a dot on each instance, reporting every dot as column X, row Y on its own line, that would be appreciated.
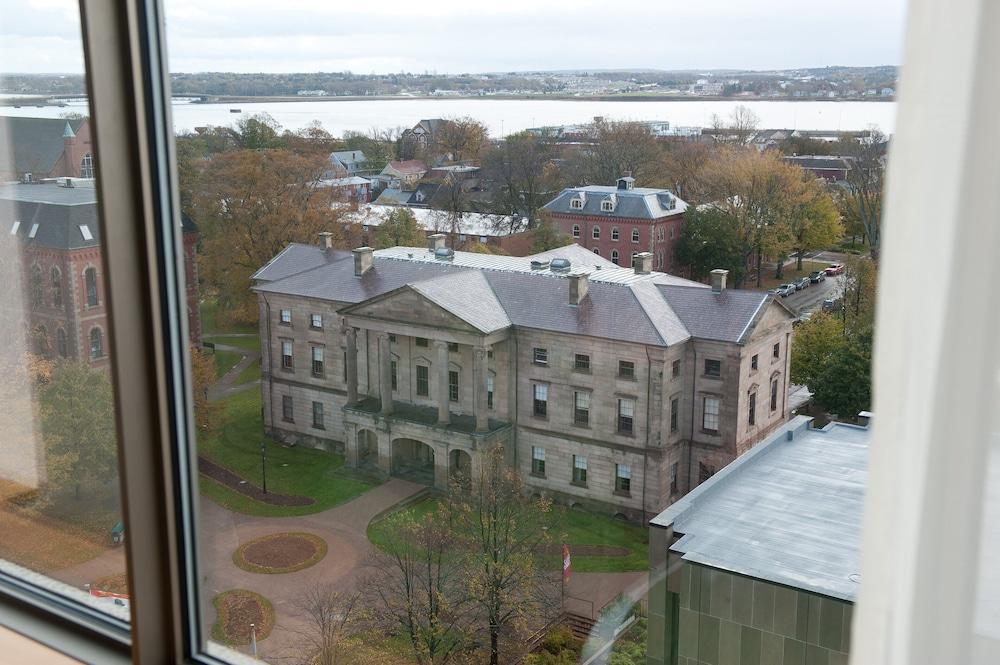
column 502, row 116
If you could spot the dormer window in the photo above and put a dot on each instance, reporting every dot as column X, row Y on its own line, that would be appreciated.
column 607, row 205
column 576, row 204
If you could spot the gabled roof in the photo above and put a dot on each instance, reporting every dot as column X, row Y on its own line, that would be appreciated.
column 407, row 167
column 348, row 157
column 637, row 203
column 33, row 145
column 820, row 162
column 725, row 317
column 468, row 295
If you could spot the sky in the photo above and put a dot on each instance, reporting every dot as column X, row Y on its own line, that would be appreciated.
column 458, row 36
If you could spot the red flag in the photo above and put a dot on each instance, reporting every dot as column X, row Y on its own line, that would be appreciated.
column 567, row 562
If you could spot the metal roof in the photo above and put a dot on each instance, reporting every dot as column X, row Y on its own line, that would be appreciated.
column 636, row 203
column 788, row 511
column 468, row 295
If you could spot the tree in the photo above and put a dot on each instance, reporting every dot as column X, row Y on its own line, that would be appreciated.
column 524, row 178
column 619, row 148
column 419, row 587
column 710, row 239
column 482, row 248
column 400, row 229
column 866, row 181
column 818, row 342
column 329, row 615
column 258, row 132
column 461, row 138
column 206, row 412
column 250, row 205
column 78, row 426
column 814, row 222
column 546, row 236
column 311, row 139
column 684, row 170
column 503, row 539
column 740, row 127
column 843, row 387
column 379, row 146
column 859, row 292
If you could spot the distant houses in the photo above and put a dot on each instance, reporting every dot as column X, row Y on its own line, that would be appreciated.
column 832, row 168
column 348, row 163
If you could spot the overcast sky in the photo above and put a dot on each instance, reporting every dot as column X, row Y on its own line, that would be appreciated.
column 454, row 36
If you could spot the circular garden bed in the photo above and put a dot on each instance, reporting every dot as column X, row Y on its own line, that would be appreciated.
column 112, row 584
column 280, row 553
column 235, row 610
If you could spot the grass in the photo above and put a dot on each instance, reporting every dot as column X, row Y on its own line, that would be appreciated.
column 251, row 343
column 769, row 282
column 235, row 445
column 250, row 374
column 235, row 610
column 579, row 527
column 225, row 361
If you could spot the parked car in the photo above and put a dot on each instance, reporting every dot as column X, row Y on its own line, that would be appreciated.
column 785, row 290
column 817, row 276
column 835, row 269
column 830, row 304
column 801, row 283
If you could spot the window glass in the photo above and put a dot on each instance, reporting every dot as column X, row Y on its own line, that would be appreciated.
column 581, row 362
column 423, row 388
column 540, row 356
column 626, row 415
column 61, row 517
column 317, row 321
column 710, row 420
column 581, row 410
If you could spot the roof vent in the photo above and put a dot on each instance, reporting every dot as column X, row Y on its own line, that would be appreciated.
column 539, row 264
column 560, row 265
column 444, row 254
column 68, row 182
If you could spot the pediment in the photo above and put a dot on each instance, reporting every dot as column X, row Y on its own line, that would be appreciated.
column 407, row 306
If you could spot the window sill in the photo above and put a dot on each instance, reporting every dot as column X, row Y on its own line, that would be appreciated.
column 623, row 493
column 318, row 376
column 289, row 370
column 282, row 323
column 630, row 435
column 318, row 427
column 578, row 483
column 287, row 420
column 314, row 328
column 710, row 432
column 581, row 370
column 537, row 475
column 711, row 377
column 622, row 377
column 538, row 417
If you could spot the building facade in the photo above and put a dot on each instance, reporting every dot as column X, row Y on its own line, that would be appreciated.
column 622, row 221
column 39, row 148
column 614, row 388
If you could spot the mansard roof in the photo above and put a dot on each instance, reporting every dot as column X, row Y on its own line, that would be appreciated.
column 636, row 203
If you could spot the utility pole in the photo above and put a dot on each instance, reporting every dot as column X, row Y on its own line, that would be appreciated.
column 263, row 465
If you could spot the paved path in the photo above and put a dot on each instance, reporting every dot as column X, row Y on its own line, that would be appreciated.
column 108, row 563
column 226, row 385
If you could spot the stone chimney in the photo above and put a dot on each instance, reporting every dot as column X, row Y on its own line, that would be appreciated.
column 643, row 263
column 435, row 241
column 719, row 280
column 579, row 284
column 327, row 239
column 362, row 260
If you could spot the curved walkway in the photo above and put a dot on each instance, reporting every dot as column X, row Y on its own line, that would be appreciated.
column 226, row 385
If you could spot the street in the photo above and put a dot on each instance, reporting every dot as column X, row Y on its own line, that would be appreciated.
column 811, row 298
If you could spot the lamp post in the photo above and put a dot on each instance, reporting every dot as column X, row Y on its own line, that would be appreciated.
column 263, row 465
column 253, row 640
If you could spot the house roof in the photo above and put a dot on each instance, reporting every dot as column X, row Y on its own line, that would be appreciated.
column 407, row 167
column 471, row 223
column 348, row 157
column 637, row 203
column 51, row 215
column 725, row 317
column 788, row 511
column 34, row 145
column 820, row 162
column 619, row 305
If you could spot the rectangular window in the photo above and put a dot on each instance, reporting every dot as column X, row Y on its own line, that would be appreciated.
column 392, row 339
column 541, row 404
column 286, row 317
column 581, row 408
column 316, row 321
column 489, row 391
column 287, row 412
column 318, row 415
column 579, row 470
column 626, row 369
column 673, row 478
column 776, row 351
column 626, row 415
column 623, row 478
column 581, row 362
column 596, row 232
column 753, row 362
column 317, row 360
column 453, row 385
column 675, row 409
column 710, row 414
column 774, row 394
column 423, row 384
column 540, row 356
column 452, row 347
column 705, row 471
column 675, row 369
column 393, row 370
column 537, row 461
column 286, row 355
column 421, row 341
column 752, row 412
column 713, row 368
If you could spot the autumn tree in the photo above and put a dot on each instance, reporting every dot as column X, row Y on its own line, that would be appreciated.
column 710, row 239
column 619, row 148
column 844, row 386
column 258, row 132
column 206, row 412
column 546, row 236
column 739, row 128
column 684, row 170
column 399, row 229
column 249, row 206
column 329, row 615
column 78, row 427
column 418, row 587
column 523, row 177
column 503, row 541
column 379, row 146
column 460, row 138
column 813, row 220
column 860, row 283
column 866, row 181
column 311, row 139
column 817, row 342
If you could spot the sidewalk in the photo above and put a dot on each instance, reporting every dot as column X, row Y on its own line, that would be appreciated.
column 226, row 385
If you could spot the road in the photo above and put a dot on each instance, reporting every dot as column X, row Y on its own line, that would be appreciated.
column 811, row 298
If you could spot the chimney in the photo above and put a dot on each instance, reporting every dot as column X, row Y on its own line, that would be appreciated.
column 578, row 287
column 643, row 263
column 719, row 280
column 362, row 260
column 327, row 238
column 435, row 241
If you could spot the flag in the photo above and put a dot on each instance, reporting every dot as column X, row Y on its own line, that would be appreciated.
column 567, row 562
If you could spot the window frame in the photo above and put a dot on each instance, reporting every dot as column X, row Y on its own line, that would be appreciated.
column 540, row 356
column 625, row 424
column 540, row 406
column 581, row 362
column 537, row 463
column 579, row 473
column 581, row 414
column 716, row 413
column 626, row 370
column 717, row 374
column 426, row 380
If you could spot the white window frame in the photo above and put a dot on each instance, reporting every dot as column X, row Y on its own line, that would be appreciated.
column 285, row 317
column 710, row 416
column 316, row 321
column 576, row 230
column 595, row 232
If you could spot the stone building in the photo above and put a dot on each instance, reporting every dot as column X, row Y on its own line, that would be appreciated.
column 612, row 387
column 619, row 222
column 761, row 564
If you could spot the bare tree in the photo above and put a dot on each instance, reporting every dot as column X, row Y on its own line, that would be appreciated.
column 521, row 172
column 619, row 148
column 330, row 617
column 739, row 128
column 461, row 138
column 866, row 180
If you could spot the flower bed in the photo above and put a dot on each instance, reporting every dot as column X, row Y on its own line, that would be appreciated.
column 280, row 553
column 235, row 610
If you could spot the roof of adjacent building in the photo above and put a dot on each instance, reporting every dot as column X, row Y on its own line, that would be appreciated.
column 34, row 145
column 471, row 223
column 620, row 304
column 47, row 214
column 343, row 182
column 636, row 203
column 406, row 167
column 820, row 162
column 348, row 157
column 788, row 511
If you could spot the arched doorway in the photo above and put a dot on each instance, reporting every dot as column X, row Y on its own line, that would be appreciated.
column 413, row 460
column 367, row 449
column 460, row 467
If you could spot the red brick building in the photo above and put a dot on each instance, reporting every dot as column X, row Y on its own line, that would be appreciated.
column 55, row 223
column 45, row 148
column 622, row 221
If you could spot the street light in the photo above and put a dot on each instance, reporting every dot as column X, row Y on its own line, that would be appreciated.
column 263, row 465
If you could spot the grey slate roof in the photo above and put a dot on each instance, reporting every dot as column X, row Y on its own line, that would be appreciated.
column 787, row 511
column 637, row 203
column 348, row 158
column 492, row 292
column 58, row 211
column 820, row 162
column 725, row 316
column 33, row 145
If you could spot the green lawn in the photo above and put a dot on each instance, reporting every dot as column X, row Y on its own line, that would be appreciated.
column 250, row 343
column 579, row 528
column 225, row 361
column 301, row 471
column 210, row 324
column 251, row 373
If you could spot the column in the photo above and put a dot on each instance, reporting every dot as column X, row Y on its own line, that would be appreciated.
column 351, row 446
column 384, row 451
column 444, row 416
column 441, row 467
column 480, row 406
column 351, row 337
column 385, row 373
